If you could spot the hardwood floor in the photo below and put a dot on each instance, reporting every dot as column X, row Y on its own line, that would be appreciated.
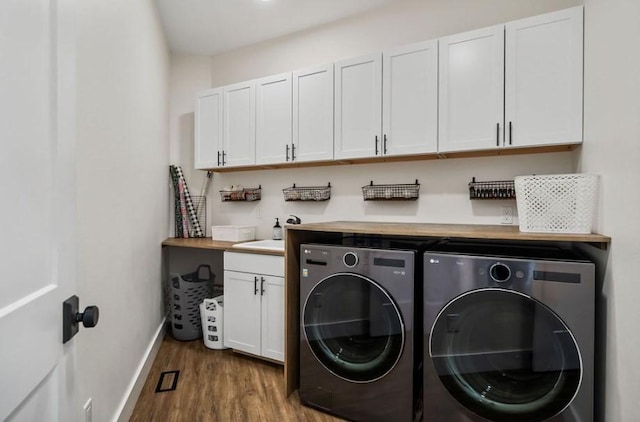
column 217, row 385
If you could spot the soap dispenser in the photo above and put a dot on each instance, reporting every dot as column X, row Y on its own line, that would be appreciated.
column 277, row 231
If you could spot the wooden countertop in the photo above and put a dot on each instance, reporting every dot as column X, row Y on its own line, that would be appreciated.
column 464, row 231
column 208, row 243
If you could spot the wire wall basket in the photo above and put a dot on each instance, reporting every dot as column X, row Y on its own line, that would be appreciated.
column 396, row 192
column 307, row 193
column 500, row 189
column 200, row 207
column 246, row 194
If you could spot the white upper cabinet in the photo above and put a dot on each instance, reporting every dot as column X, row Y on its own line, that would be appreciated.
column 410, row 99
column 513, row 85
column 312, row 114
column 273, row 119
column 239, row 138
column 543, row 95
column 358, row 107
column 208, row 129
column 471, row 90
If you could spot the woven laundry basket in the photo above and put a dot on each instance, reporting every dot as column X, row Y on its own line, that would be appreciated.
column 557, row 203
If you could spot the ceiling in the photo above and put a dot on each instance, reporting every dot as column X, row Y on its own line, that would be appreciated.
column 209, row 27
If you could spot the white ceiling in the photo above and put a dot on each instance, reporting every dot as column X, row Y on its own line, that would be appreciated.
column 210, row 27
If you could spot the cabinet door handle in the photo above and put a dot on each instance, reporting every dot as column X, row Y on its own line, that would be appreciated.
column 255, row 286
column 384, row 144
column 376, row 144
column 497, row 134
column 287, row 146
column 293, row 152
column 218, row 158
column 224, row 155
column 509, row 133
column 261, row 286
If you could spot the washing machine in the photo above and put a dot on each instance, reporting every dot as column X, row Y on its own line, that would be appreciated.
column 357, row 354
column 508, row 332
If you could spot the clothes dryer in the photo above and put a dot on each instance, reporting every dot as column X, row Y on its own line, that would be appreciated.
column 357, row 352
column 508, row 334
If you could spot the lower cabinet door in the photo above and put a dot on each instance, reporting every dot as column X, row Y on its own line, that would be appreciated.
column 242, row 312
column 273, row 317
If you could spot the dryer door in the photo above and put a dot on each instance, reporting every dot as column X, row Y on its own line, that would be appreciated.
column 505, row 356
column 353, row 327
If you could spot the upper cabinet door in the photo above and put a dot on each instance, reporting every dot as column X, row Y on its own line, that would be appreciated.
column 208, row 129
column 543, row 97
column 471, row 90
column 313, row 114
column 358, row 107
column 410, row 99
column 273, row 119
column 239, row 124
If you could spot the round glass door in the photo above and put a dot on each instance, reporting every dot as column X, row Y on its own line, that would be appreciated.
column 505, row 356
column 353, row 327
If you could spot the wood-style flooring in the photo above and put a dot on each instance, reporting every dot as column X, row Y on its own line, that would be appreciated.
column 217, row 385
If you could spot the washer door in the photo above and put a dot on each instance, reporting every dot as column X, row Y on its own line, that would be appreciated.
column 353, row 327
column 505, row 356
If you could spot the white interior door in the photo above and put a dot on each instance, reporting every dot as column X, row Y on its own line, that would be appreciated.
column 37, row 187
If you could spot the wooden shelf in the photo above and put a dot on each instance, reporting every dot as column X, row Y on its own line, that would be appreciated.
column 208, row 243
column 392, row 159
column 463, row 231
column 198, row 243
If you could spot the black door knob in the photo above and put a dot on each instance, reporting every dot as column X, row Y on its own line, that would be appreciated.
column 89, row 317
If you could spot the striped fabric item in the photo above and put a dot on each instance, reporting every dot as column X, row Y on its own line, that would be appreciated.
column 176, row 201
column 193, row 215
column 184, row 209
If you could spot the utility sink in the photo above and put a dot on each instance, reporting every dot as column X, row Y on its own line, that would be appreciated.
column 267, row 245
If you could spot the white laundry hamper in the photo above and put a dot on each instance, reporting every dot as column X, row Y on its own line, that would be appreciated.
column 211, row 314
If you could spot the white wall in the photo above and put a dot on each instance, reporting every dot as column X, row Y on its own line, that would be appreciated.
column 611, row 148
column 122, row 193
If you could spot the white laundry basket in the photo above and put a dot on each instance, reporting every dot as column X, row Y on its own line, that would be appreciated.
column 557, row 203
column 211, row 314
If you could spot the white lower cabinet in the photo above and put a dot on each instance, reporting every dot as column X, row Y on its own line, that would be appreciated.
column 254, row 304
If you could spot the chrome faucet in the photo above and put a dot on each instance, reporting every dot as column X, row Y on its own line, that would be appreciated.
column 294, row 220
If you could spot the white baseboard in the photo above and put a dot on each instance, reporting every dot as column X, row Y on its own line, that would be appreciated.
column 125, row 410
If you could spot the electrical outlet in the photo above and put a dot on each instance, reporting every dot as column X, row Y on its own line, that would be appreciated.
column 258, row 212
column 88, row 411
column 506, row 215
